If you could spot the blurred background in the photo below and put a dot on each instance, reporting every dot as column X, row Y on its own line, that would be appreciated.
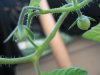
column 83, row 53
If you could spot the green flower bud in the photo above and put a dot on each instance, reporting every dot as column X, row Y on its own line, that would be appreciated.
column 83, row 22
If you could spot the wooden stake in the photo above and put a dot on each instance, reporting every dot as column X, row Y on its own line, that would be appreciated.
column 59, row 50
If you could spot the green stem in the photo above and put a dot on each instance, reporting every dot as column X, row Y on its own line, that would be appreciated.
column 52, row 34
column 30, row 58
column 79, row 12
column 30, row 16
column 11, row 34
column 21, row 17
column 28, row 21
column 15, row 60
column 24, row 10
column 31, row 41
column 63, row 9
column 37, row 68
column 75, row 2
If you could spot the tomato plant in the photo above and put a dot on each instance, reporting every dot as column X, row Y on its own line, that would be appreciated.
column 24, row 32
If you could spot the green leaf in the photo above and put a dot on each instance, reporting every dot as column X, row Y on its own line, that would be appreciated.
column 66, row 71
column 34, row 2
column 93, row 33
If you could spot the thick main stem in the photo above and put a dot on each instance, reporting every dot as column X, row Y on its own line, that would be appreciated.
column 37, row 68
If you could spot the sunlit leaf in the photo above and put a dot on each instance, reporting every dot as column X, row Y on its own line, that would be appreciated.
column 66, row 71
column 93, row 33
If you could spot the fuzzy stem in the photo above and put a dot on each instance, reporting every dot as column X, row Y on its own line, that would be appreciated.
column 63, row 9
column 75, row 2
column 21, row 17
column 52, row 34
column 78, row 10
column 28, row 21
column 31, row 41
column 15, row 60
column 30, row 16
column 37, row 68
